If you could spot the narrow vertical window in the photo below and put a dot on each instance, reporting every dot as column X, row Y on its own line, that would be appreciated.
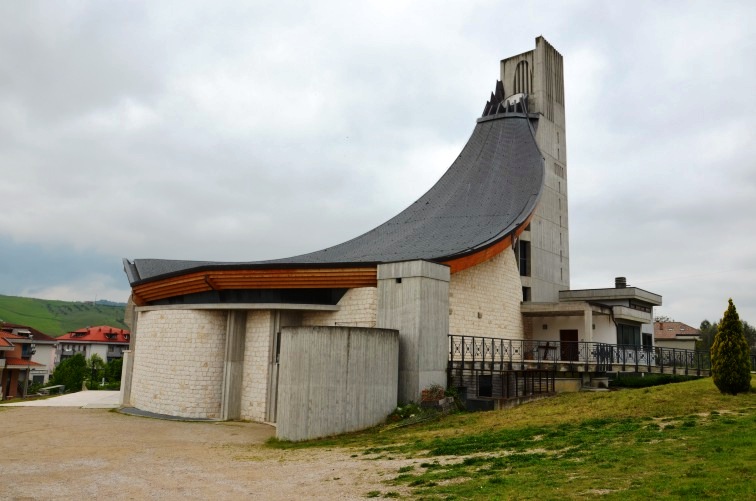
column 522, row 78
column 524, row 258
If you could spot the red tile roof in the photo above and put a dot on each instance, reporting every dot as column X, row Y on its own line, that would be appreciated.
column 21, row 361
column 99, row 334
column 6, row 339
column 673, row 330
column 4, row 343
column 8, row 335
column 37, row 335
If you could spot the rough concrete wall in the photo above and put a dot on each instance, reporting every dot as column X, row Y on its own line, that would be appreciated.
column 178, row 362
column 256, row 364
column 335, row 380
column 485, row 300
column 413, row 298
column 549, row 235
column 124, row 397
column 358, row 308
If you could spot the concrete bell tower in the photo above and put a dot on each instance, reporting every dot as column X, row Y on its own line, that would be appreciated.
column 543, row 250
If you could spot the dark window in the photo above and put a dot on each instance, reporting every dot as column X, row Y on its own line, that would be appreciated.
column 628, row 335
column 648, row 341
column 559, row 170
column 485, row 385
column 524, row 258
column 278, row 347
column 640, row 306
column 526, row 293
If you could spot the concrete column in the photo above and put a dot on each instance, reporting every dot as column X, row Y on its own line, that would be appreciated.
column 126, row 371
column 413, row 298
column 233, row 364
column 130, row 318
column 274, row 346
column 588, row 319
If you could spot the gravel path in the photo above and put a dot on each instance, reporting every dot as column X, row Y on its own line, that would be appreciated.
column 72, row 453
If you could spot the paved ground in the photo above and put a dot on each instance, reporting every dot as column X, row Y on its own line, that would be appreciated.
column 75, row 453
column 84, row 399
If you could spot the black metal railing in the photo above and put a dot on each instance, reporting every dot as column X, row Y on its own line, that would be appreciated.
column 505, row 385
column 489, row 354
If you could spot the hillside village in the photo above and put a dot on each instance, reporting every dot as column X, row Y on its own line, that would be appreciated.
column 28, row 357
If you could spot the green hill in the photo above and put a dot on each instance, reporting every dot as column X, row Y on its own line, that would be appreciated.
column 55, row 318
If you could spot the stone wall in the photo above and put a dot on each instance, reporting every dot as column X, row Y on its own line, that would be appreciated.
column 178, row 362
column 257, row 360
column 358, row 307
column 485, row 300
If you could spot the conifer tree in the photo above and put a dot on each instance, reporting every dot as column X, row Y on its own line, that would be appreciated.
column 730, row 364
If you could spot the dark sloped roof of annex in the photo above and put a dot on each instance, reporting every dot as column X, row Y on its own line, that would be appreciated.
column 490, row 190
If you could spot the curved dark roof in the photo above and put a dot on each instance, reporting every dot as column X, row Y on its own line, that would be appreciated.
column 491, row 188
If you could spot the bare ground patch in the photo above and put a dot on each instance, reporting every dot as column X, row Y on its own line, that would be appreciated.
column 55, row 453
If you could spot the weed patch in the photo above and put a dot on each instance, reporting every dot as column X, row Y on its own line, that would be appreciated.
column 676, row 441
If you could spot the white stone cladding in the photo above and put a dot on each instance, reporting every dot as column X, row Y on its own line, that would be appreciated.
column 257, row 360
column 485, row 300
column 178, row 362
column 358, row 309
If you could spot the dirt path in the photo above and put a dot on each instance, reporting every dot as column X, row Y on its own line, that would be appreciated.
column 70, row 453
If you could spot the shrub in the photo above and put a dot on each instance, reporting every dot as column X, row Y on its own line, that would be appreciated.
column 405, row 412
column 113, row 370
column 730, row 364
column 70, row 372
column 433, row 393
column 96, row 366
column 34, row 388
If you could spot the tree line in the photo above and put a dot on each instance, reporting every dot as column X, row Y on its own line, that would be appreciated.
column 709, row 331
column 76, row 371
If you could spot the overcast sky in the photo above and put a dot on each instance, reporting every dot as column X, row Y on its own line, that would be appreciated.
column 255, row 130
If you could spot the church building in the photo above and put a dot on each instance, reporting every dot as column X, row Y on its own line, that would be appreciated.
column 371, row 322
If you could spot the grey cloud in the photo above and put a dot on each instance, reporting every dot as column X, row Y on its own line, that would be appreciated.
column 235, row 132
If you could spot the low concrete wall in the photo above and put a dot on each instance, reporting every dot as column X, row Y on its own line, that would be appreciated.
column 567, row 385
column 335, row 380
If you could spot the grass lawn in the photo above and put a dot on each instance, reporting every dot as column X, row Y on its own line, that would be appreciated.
column 679, row 441
column 58, row 317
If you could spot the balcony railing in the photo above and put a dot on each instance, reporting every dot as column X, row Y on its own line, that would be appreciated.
column 493, row 354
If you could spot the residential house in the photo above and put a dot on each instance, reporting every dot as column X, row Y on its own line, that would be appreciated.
column 676, row 335
column 107, row 342
column 26, row 356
